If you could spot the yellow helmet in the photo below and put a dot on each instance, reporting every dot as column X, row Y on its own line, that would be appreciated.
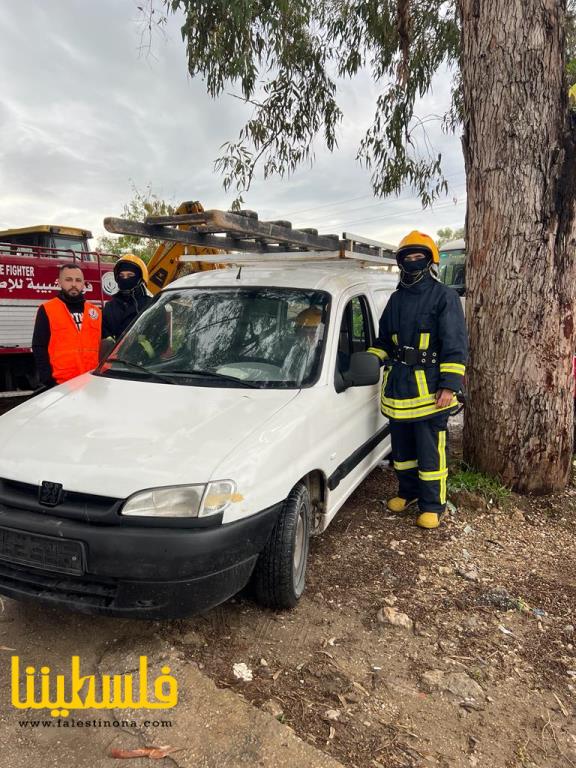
column 415, row 240
column 309, row 318
column 132, row 259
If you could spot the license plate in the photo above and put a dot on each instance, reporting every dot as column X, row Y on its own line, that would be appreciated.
column 45, row 552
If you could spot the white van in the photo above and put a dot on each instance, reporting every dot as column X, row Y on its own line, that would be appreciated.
column 231, row 422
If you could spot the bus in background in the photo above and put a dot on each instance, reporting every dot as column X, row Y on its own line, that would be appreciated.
column 452, row 269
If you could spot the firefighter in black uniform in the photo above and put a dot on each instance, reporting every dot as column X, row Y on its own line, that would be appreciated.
column 131, row 275
column 423, row 343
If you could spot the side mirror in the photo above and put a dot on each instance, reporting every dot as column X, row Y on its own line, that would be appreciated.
column 364, row 370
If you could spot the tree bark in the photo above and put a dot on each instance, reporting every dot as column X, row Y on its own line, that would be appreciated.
column 520, row 161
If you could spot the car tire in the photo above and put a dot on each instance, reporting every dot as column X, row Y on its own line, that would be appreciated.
column 280, row 573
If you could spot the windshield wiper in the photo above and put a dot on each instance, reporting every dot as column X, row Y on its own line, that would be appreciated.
column 142, row 368
column 216, row 375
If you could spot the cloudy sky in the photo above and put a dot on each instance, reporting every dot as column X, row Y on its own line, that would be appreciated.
column 85, row 114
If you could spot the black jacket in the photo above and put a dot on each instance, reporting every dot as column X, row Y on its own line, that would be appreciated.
column 122, row 310
column 427, row 316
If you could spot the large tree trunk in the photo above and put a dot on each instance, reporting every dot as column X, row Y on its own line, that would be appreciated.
column 519, row 153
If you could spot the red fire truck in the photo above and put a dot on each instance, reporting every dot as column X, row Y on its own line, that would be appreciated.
column 29, row 261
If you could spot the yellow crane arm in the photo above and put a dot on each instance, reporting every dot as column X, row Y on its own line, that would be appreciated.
column 163, row 265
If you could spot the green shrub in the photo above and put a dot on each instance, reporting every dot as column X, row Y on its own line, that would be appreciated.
column 466, row 479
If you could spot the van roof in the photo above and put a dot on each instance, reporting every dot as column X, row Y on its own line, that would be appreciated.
column 453, row 245
column 321, row 275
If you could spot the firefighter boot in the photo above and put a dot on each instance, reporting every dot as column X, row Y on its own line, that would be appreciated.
column 398, row 504
column 428, row 520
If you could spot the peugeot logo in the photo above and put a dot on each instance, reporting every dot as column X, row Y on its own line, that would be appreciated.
column 50, row 494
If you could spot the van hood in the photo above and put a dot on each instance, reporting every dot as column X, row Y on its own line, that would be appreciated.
column 113, row 437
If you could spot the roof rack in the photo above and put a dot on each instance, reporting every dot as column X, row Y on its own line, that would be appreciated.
column 242, row 231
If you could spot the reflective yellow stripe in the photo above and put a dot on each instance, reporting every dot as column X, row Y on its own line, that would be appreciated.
column 422, row 384
column 378, row 352
column 395, row 338
column 413, row 402
column 437, row 475
column 414, row 413
column 443, row 469
column 400, row 465
column 453, row 368
column 424, row 340
column 442, row 449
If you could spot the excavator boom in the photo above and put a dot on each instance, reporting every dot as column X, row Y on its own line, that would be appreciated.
column 165, row 262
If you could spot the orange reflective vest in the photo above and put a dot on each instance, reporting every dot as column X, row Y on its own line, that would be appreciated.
column 71, row 351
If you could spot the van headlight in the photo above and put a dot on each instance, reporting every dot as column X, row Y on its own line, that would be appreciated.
column 182, row 500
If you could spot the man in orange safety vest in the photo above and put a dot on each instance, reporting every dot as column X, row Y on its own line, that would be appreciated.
column 67, row 331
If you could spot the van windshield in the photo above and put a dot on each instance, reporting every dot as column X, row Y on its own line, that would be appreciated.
column 260, row 337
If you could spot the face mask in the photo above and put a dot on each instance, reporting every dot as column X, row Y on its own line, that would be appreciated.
column 417, row 265
column 127, row 283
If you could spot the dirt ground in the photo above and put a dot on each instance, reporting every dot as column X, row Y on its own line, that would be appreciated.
column 410, row 648
column 482, row 674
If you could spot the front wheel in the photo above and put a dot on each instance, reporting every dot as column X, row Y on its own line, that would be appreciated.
column 280, row 572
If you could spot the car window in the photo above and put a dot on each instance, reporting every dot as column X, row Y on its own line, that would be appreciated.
column 355, row 331
column 75, row 244
column 360, row 331
column 271, row 337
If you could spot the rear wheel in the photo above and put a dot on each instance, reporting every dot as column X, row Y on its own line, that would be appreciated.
column 280, row 573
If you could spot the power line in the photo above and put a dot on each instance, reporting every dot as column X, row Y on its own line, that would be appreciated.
column 341, row 221
column 382, row 202
column 404, row 213
column 328, row 205
column 361, row 197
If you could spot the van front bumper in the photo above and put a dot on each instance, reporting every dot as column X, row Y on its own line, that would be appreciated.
column 128, row 571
